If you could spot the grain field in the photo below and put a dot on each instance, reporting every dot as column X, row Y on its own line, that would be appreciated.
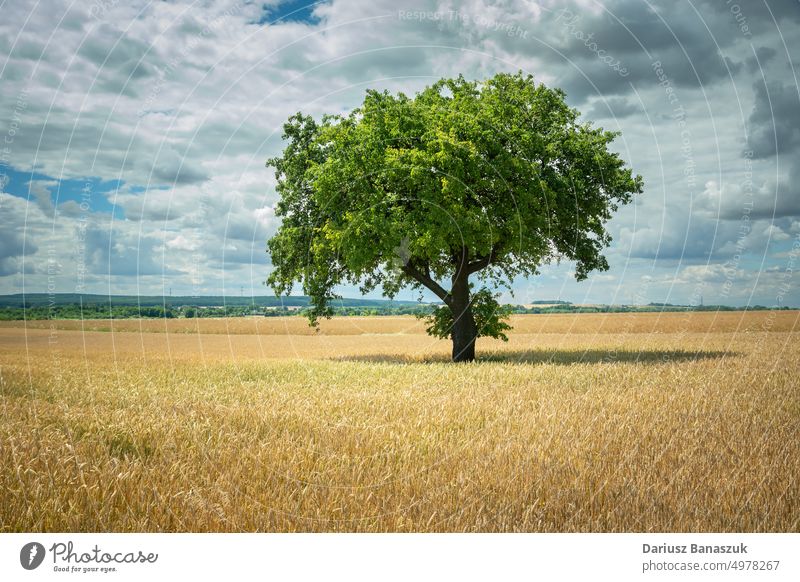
column 608, row 422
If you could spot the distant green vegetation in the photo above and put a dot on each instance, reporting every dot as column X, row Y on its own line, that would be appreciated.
column 168, row 301
column 76, row 311
column 75, row 306
column 652, row 307
column 357, row 307
column 86, row 306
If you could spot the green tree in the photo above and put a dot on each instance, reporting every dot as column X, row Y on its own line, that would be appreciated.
column 491, row 179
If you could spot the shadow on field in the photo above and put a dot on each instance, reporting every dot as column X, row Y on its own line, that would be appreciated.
column 564, row 357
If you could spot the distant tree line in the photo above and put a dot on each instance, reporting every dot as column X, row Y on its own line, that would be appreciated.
column 77, row 311
column 29, row 300
column 652, row 308
column 373, row 311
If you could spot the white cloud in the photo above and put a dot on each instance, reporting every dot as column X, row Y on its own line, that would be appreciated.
column 185, row 100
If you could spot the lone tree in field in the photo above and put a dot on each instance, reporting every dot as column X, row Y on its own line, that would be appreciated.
column 491, row 179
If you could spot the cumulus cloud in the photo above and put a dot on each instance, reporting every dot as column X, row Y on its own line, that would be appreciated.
column 13, row 246
column 180, row 103
column 614, row 107
column 775, row 119
column 771, row 200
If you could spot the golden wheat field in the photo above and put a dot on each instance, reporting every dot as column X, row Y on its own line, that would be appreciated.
column 616, row 422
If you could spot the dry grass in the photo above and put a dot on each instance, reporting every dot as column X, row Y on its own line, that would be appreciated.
column 694, row 322
column 581, row 423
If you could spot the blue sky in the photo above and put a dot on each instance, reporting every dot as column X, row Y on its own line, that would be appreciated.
column 133, row 135
column 292, row 11
column 92, row 191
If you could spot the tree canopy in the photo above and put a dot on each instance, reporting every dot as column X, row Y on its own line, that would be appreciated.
column 489, row 178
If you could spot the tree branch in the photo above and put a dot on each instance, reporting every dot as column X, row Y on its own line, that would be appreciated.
column 425, row 279
column 484, row 261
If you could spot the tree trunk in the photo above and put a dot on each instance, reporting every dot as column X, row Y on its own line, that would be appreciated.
column 464, row 332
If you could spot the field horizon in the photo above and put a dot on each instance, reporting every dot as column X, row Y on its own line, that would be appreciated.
column 581, row 422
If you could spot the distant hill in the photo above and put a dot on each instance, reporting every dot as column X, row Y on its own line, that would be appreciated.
column 19, row 300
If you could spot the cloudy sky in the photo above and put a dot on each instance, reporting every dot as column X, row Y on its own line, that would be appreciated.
column 134, row 134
